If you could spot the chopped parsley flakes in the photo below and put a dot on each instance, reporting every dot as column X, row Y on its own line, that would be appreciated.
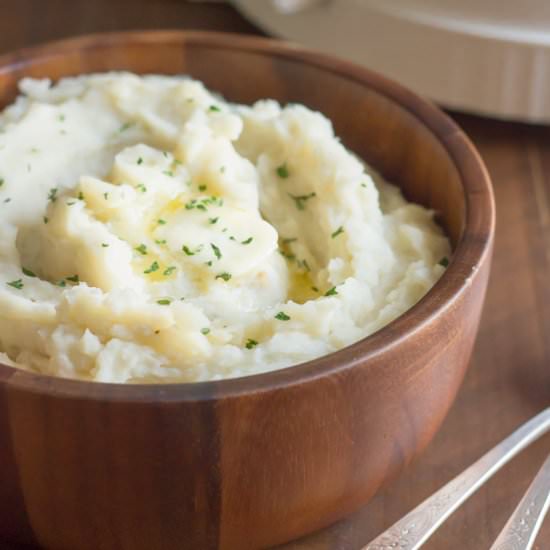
column 139, row 160
column 52, row 195
column 125, row 126
column 205, row 330
column 73, row 279
column 18, row 284
column 164, row 302
column 331, row 291
column 339, row 231
column 212, row 221
column 161, row 222
column 169, row 270
column 187, row 250
column 142, row 249
column 214, row 108
column 251, row 343
column 203, row 187
column 28, row 272
column 282, row 171
column 444, row 261
column 282, row 316
column 247, row 241
column 152, row 268
column 142, row 187
column 216, row 250
column 2, row 181
column 224, row 276
column 300, row 200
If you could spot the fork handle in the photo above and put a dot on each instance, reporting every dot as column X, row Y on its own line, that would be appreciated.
column 410, row 532
column 520, row 531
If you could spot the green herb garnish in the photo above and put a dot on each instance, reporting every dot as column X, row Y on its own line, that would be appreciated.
column 282, row 316
column 52, row 195
column 168, row 173
column 142, row 249
column 73, row 279
column 300, row 200
column 187, row 250
column 160, row 241
column 205, row 330
column 125, row 126
column 203, row 187
column 80, row 196
column 18, row 284
column 214, row 108
column 224, row 276
column 46, row 219
column 212, row 221
column 2, row 181
column 248, row 241
column 169, row 270
column 140, row 160
column 444, row 261
column 104, row 245
column 142, row 187
column 28, row 272
column 331, row 291
column 250, row 343
column 282, row 171
column 164, row 302
column 161, row 221
column 339, row 231
column 152, row 268
column 216, row 250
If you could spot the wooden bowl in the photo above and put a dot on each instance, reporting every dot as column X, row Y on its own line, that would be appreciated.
column 255, row 461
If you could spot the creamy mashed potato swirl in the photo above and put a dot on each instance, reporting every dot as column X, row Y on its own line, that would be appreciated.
column 152, row 232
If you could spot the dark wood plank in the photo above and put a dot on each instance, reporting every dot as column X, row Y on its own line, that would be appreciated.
column 509, row 379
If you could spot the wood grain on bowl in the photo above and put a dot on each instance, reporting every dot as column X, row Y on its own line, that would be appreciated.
column 256, row 461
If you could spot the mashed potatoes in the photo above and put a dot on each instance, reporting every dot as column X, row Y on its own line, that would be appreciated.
column 151, row 232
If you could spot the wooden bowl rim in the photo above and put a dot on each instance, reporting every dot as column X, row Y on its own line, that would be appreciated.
column 454, row 283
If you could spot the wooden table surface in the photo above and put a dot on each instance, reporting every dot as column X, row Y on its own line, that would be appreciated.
column 509, row 378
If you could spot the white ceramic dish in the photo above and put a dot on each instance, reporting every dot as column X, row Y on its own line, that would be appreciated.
column 490, row 57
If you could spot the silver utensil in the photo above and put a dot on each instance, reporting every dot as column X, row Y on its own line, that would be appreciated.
column 521, row 529
column 413, row 530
